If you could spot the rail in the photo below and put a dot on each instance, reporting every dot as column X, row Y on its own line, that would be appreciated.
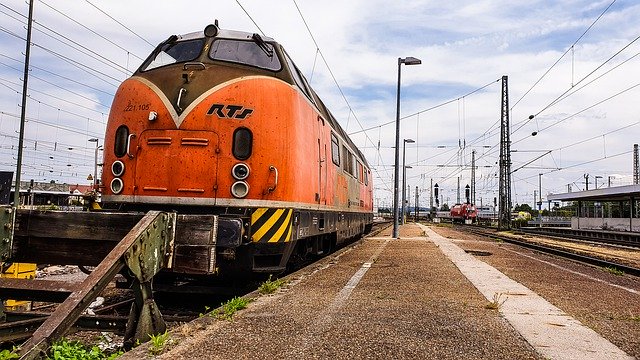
column 554, row 251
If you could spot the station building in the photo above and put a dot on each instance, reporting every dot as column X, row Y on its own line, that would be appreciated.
column 613, row 208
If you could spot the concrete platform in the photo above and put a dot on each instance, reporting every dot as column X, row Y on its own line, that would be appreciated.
column 400, row 299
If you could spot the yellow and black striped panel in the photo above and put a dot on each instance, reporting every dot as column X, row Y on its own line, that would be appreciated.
column 271, row 225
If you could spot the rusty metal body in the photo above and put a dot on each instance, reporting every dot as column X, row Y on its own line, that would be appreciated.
column 223, row 123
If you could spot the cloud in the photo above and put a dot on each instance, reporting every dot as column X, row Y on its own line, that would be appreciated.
column 463, row 45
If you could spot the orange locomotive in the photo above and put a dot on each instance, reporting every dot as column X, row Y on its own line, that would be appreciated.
column 223, row 128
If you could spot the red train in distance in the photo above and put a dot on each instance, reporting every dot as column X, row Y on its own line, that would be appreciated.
column 222, row 127
column 463, row 213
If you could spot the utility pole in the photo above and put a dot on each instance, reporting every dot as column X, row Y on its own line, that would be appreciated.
column 504, row 214
column 431, row 196
column 636, row 165
column 415, row 206
column 473, row 177
column 458, row 198
column 540, row 199
column 23, row 113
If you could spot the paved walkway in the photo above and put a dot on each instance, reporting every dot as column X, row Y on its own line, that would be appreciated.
column 552, row 332
column 388, row 298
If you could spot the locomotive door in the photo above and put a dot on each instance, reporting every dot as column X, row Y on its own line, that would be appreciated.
column 176, row 163
column 322, row 163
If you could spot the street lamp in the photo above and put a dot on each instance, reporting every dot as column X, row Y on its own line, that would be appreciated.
column 407, row 61
column 95, row 163
column 404, row 175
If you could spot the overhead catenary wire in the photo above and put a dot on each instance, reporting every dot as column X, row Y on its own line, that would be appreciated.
column 111, row 94
column 563, row 55
column 562, row 96
column 250, row 17
column 93, row 31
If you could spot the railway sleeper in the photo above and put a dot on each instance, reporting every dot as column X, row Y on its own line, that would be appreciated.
column 144, row 250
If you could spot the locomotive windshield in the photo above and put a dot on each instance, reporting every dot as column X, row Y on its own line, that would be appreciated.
column 174, row 52
column 246, row 53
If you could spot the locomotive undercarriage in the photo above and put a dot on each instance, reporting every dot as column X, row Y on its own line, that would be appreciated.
column 209, row 241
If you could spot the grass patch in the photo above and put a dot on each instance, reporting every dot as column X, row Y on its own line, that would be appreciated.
column 158, row 343
column 270, row 286
column 613, row 270
column 496, row 302
column 232, row 306
column 9, row 354
column 64, row 349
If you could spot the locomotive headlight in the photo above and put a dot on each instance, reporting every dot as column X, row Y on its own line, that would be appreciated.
column 240, row 171
column 116, row 186
column 117, row 168
column 239, row 189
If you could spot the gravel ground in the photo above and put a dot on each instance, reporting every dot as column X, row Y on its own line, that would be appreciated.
column 611, row 311
column 411, row 303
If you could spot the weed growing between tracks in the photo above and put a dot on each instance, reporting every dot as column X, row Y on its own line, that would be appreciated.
column 158, row 343
column 9, row 354
column 64, row 349
column 496, row 302
column 269, row 286
column 232, row 306
column 613, row 270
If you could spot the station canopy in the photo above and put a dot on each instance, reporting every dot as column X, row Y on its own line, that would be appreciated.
column 617, row 193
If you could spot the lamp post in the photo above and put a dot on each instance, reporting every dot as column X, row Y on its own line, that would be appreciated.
column 95, row 163
column 404, row 175
column 404, row 189
column 407, row 61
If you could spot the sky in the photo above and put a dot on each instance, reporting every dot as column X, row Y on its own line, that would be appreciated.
column 573, row 64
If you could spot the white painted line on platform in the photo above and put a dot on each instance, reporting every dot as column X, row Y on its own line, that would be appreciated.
column 343, row 295
column 551, row 332
column 633, row 291
column 325, row 318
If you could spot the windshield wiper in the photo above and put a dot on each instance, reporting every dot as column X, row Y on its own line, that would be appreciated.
column 268, row 49
column 157, row 51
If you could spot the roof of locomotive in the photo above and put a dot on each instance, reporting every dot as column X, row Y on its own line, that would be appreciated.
column 243, row 35
column 222, row 33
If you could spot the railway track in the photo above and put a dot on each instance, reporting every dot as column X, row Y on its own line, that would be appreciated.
column 608, row 237
column 557, row 250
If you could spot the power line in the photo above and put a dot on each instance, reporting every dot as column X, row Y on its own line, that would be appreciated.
column 429, row 109
column 121, row 24
column 562, row 56
column 93, row 31
column 250, row 17
column 560, row 97
column 111, row 94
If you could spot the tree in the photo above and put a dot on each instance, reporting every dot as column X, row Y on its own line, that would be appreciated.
column 444, row 207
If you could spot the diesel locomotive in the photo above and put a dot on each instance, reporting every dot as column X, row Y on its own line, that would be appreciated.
column 222, row 127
